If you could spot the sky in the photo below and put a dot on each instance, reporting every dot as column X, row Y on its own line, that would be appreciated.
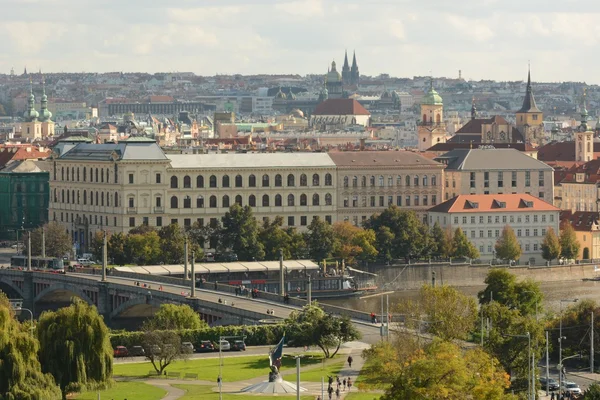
column 486, row 39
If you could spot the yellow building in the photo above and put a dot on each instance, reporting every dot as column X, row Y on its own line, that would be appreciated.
column 432, row 129
column 31, row 129
column 587, row 230
column 530, row 118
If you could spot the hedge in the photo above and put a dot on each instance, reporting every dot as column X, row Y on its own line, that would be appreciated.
column 256, row 335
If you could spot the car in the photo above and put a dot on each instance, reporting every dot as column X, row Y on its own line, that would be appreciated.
column 153, row 350
column 120, row 351
column 84, row 261
column 137, row 351
column 552, row 383
column 205, row 347
column 238, row 345
column 224, row 345
column 187, row 347
column 571, row 387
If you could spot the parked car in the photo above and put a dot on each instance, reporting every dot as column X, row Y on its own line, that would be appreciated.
column 571, row 387
column 120, row 351
column 84, row 261
column 205, row 347
column 238, row 345
column 187, row 347
column 225, row 345
column 137, row 351
column 552, row 383
column 153, row 350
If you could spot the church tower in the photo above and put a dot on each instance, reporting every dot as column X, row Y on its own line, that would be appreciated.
column 333, row 83
column 354, row 74
column 432, row 129
column 584, row 138
column 346, row 70
column 45, row 114
column 31, row 129
column 530, row 118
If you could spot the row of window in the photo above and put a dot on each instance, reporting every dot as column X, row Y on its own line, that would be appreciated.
column 416, row 180
column 252, row 201
column 490, row 248
column 96, row 175
column 500, row 181
column 511, row 218
column 496, row 233
column 416, row 201
column 95, row 198
column 252, row 181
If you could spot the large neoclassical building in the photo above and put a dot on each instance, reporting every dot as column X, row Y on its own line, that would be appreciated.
column 116, row 187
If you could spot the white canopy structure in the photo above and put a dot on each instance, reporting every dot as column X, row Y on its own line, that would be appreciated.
column 223, row 268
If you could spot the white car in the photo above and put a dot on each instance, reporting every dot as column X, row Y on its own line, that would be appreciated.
column 84, row 261
column 225, row 345
column 571, row 387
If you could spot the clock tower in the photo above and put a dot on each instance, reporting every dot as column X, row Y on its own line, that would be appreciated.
column 584, row 139
column 530, row 118
column 432, row 129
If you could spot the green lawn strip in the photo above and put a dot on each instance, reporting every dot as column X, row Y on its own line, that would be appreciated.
column 201, row 392
column 126, row 390
column 362, row 381
column 234, row 368
column 332, row 368
column 362, row 396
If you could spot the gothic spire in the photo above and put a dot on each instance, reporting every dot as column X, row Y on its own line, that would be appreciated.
column 354, row 65
column 529, row 100
column 346, row 65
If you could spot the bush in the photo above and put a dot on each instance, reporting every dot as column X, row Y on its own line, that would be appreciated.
column 256, row 335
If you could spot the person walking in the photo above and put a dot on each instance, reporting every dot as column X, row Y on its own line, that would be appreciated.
column 349, row 384
column 330, row 380
column 344, row 382
column 337, row 394
column 330, row 392
column 350, row 359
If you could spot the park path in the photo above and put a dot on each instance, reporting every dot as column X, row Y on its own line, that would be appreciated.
column 173, row 393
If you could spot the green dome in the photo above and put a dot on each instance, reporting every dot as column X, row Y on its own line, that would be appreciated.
column 31, row 114
column 432, row 98
column 280, row 95
column 45, row 114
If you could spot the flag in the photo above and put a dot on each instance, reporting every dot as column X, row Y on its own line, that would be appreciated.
column 277, row 353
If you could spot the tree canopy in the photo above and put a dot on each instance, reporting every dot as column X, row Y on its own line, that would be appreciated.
column 502, row 287
column 462, row 247
column 507, row 246
column 240, row 233
column 320, row 239
column 75, row 347
column 569, row 245
column 353, row 242
column 550, row 245
column 174, row 317
column 58, row 242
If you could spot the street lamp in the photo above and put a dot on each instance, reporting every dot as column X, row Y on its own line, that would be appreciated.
column 560, row 339
column 530, row 379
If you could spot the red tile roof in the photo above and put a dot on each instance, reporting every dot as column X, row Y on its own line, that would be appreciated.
column 475, row 125
column 161, row 99
column 380, row 159
column 562, row 151
column 583, row 221
column 493, row 203
column 340, row 107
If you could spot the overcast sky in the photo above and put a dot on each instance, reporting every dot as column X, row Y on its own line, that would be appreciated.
column 486, row 39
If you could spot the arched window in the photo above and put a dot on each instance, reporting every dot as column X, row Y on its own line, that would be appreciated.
column 212, row 202
column 265, row 180
column 398, row 180
column 438, row 119
column 354, row 181
column 425, row 180
column 225, row 181
column 265, row 200
column 328, row 199
column 381, row 181
column 187, row 202
column 291, row 180
column 302, row 199
column 199, row 181
column 116, row 199
column 346, row 180
column 252, row 200
column 416, row 180
column 238, row 200
column 407, row 179
column 174, row 182
column 277, row 200
column 84, row 196
column 68, row 171
column 372, row 181
column 174, row 202
column 278, row 181
column 238, row 181
column 187, row 182
column 390, row 181
column 433, row 180
column 107, row 178
column 200, row 202
column 303, row 180
column 252, row 181
column 213, row 181
column 290, row 200
column 328, row 180
column 363, row 181
column 316, row 180
column 315, row 199
column 225, row 201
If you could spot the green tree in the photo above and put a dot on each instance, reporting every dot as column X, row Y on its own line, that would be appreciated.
column 144, row 248
column 592, row 392
column 569, row 246
column 502, row 287
column 141, row 230
column 174, row 317
column 162, row 348
column 320, row 239
column 385, row 243
column 297, row 245
column 353, row 242
column 462, row 246
column 97, row 244
column 58, row 241
column 240, row 233
column 273, row 238
column 116, row 249
column 171, row 244
column 21, row 375
column 550, row 245
column 311, row 326
column 75, row 347
column 576, row 321
column 438, row 237
column 507, row 246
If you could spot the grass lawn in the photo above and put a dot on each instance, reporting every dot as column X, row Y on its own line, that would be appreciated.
column 234, row 368
column 199, row 392
column 363, row 396
column 332, row 367
column 126, row 390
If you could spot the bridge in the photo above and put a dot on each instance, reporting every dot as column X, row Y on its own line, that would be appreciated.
column 123, row 303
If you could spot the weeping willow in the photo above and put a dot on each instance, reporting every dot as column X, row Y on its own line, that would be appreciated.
column 75, row 348
column 21, row 376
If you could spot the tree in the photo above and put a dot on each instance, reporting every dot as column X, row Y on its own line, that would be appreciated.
column 174, row 317
column 592, row 392
column 58, row 241
column 569, row 246
column 116, row 249
column 240, row 233
column 311, row 326
column 502, row 287
column 440, row 370
column 385, row 243
column 144, row 248
column 353, row 242
column 162, row 348
column 75, row 347
column 97, row 244
column 462, row 246
column 550, row 245
column 21, row 375
column 320, row 239
column 438, row 237
column 507, row 246
column 141, row 230
column 274, row 238
column 171, row 244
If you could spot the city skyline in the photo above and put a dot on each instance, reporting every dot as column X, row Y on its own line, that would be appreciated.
column 487, row 40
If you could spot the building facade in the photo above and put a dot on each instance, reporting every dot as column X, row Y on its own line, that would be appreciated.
column 586, row 225
column 431, row 129
column 483, row 217
column 495, row 171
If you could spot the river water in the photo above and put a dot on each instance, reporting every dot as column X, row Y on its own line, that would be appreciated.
column 553, row 293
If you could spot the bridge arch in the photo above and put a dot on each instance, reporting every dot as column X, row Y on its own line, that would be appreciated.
column 66, row 287
column 133, row 302
column 11, row 285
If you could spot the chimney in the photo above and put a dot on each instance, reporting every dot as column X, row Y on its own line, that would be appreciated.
column 362, row 144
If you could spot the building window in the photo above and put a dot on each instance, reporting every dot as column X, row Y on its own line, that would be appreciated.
column 225, row 181
column 200, row 222
column 372, row 181
column 158, row 221
column 455, row 220
column 252, row 181
column 187, row 222
column 303, row 220
column 381, row 181
column 543, row 231
column 200, row 202
column 527, row 178
column 303, row 200
column 265, row 200
column 328, row 219
column 407, row 201
column 541, row 179
column 187, row 202
column 187, row 182
column 535, row 232
column 315, row 199
column 303, row 180
column 265, row 180
column 497, row 219
column 407, row 180
column 416, row 180
column 157, row 178
column 472, row 234
column 212, row 181
column 290, row 221
column 290, row 200
column 354, row 201
column 398, row 181
column 500, row 179
column 381, row 201
column 278, row 181
column 390, row 181
column 251, row 200
column 527, row 247
column 433, row 180
column 355, row 181
column 291, row 180
column 425, row 180
column 363, row 181
column 328, row 200
column 497, row 233
column 328, row 180
column 433, row 199
column 541, row 195
column 316, row 181
column 346, row 202
column 131, row 222
column 535, row 218
column 417, row 202
column 131, row 200
column 390, row 201
column 489, row 233
column 527, row 218
column 238, row 200
column 464, row 220
column 174, row 221
column 130, row 177
column 544, row 218
column 489, row 219
column 551, row 217
column 199, row 181
column 174, row 202
column 278, row 201
column 346, row 180
column 372, row 201
column 174, row 182
column 212, row 202
column 526, row 232
column 225, row 201
column 238, row 181
column 399, row 201
column 486, row 179
column 480, row 234
column 472, row 220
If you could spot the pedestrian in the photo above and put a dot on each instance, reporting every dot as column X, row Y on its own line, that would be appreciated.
column 552, row 396
column 344, row 382
column 350, row 362
column 330, row 380
column 349, row 383
column 337, row 393
column 337, row 380
column 330, row 392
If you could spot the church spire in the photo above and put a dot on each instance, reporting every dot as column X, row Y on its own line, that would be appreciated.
column 473, row 109
column 346, row 65
column 529, row 101
column 354, row 65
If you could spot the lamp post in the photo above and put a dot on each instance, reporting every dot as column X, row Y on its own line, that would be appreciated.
column 530, row 379
column 560, row 339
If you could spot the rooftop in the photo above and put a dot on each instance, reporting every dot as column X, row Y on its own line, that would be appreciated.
column 490, row 159
column 250, row 160
column 493, row 203
column 340, row 107
column 583, row 221
column 380, row 159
